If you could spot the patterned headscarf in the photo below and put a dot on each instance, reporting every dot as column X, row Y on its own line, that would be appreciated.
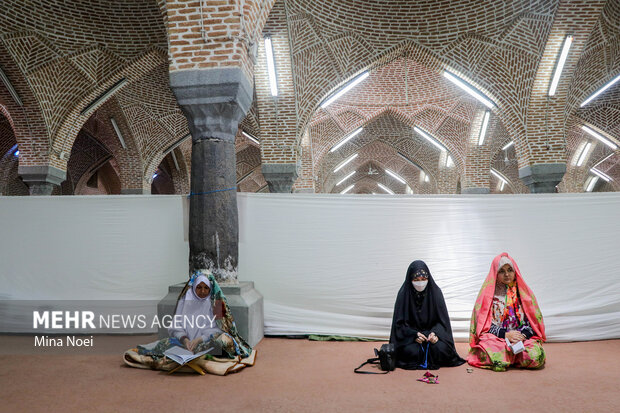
column 522, row 299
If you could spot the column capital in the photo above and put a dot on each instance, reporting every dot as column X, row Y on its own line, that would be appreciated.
column 478, row 191
column 41, row 179
column 280, row 177
column 214, row 101
column 542, row 178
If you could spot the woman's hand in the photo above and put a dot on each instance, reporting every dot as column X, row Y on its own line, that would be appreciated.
column 432, row 338
column 421, row 338
column 185, row 342
column 192, row 344
column 514, row 336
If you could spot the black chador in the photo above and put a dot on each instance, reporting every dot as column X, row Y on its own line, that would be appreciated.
column 424, row 312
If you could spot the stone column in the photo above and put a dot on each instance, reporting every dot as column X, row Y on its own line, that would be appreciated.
column 41, row 180
column 214, row 102
column 280, row 177
column 542, row 178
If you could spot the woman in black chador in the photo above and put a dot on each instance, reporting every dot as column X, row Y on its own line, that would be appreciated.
column 421, row 331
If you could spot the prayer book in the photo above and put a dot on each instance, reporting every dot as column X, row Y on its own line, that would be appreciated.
column 182, row 355
column 516, row 347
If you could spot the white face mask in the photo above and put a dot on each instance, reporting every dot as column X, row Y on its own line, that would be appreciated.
column 419, row 285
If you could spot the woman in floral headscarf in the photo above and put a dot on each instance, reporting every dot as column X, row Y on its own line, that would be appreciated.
column 506, row 316
column 212, row 328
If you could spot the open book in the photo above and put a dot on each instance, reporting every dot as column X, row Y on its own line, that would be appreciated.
column 516, row 347
column 182, row 355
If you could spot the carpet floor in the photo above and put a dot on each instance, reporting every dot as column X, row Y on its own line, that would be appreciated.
column 299, row 376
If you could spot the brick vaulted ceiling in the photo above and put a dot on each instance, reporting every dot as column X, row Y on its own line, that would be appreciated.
column 60, row 55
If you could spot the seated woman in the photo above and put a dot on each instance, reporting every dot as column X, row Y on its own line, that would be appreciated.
column 506, row 310
column 421, row 331
column 203, row 321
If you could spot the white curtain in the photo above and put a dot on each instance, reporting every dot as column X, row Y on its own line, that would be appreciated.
column 325, row 264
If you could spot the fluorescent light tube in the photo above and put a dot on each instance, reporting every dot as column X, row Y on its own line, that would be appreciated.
column 347, row 189
column 600, row 137
column 385, row 188
column 345, row 89
column 560, row 65
column 16, row 153
column 583, row 154
column 271, row 67
column 483, row 128
column 345, row 140
column 10, row 88
column 601, row 90
column 426, row 178
column 499, row 176
column 345, row 162
column 508, row 145
column 395, row 176
column 250, row 137
column 345, row 178
column 604, row 159
column 119, row 135
column 592, row 183
column 104, row 96
column 449, row 161
column 176, row 162
column 605, row 177
column 175, row 144
column 469, row 89
column 429, row 138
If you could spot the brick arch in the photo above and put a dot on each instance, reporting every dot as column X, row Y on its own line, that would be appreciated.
column 106, row 179
column 71, row 119
column 575, row 177
column 249, row 174
column 129, row 159
column 77, row 51
column 27, row 120
column 389, row 127
column 380, row 155
column 598, row 63
column 169, row 180
column 507, row 164
column 88, row 154
column 423, row 118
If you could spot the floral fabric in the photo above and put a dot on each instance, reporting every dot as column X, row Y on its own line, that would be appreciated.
column 489, row 351
column 232, row 344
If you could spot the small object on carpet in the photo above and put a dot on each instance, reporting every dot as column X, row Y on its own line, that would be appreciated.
column 429, row 378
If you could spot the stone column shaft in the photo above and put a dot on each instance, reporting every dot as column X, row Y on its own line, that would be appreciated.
column 214, row 102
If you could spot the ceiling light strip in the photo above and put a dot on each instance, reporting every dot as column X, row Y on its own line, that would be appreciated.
column 271, row 67
column 483, row 128
column 601, row 90
column 429, row 138
column 385, row 188
column 348, row 138
column 600, row 137
column 345, row 178
column 584, row 153
column 469, row 89
column 345, row 89
column 560, row 65
column 395, row 176
column 345, row 162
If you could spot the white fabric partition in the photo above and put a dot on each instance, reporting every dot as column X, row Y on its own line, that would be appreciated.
column 333, row 264
column 326, row 264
